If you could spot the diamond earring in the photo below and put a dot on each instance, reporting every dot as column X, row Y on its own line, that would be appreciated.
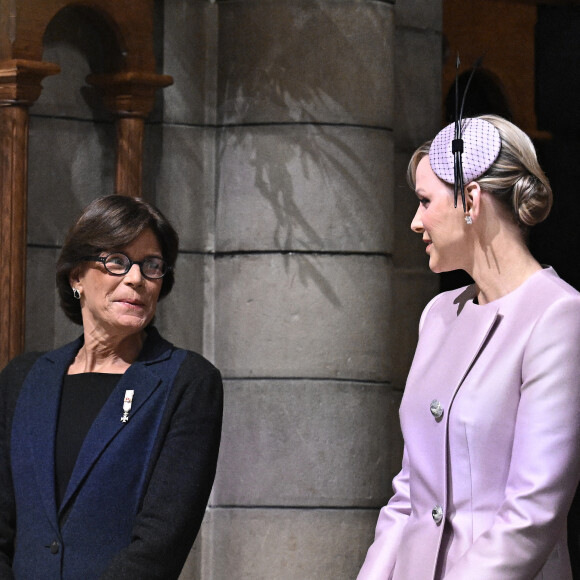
column 468, row 220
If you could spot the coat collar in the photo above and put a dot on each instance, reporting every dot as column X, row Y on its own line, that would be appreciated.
column 155, row 349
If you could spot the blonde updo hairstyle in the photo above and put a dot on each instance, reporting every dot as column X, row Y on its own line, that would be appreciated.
column 515, row 177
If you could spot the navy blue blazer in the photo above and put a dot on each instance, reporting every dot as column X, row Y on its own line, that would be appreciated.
column 138, row 491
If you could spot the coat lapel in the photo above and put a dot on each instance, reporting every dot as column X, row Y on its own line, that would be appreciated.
column 470, row 335
column 41, row 401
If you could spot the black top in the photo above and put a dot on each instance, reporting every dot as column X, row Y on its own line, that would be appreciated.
column 83, row 396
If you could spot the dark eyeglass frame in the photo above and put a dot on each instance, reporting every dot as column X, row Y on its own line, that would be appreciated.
column 103, row 260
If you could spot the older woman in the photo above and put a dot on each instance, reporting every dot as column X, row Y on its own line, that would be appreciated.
column 109, row 444
column 490, row 414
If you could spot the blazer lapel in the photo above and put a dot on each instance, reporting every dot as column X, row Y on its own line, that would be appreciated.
column 468, row 337
column 41, row 401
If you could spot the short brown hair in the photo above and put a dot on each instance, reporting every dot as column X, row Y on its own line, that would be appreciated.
column 108, row 224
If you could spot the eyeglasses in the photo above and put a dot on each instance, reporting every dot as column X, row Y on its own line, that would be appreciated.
column 118, row 264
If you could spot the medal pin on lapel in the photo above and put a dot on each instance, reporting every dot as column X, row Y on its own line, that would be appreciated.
column 127, row 402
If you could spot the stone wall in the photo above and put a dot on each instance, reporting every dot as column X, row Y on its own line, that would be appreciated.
column 279, row 153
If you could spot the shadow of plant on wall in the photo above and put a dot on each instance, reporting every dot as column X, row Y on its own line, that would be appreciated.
column 305, row 189
column 305, row 169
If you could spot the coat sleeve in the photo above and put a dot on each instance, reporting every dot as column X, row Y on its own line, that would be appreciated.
column 11, row 380
column 7, row 504
column 382, row 555
column 545, row 461
column 180, row 480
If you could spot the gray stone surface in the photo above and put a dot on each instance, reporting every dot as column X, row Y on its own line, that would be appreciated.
column 180, row 315
column 285, row 544
column 179, row 178
column 306, row 61
column 409, row 249
column 190, row 56
column 313, row 316
column 47, row 327
column 308, row 443
column 70, row 164
column 412, row 290
column 305, row 188
column 422, row 14
column 419, row 119
column 418, row 87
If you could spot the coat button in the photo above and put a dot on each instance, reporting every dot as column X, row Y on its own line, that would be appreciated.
column 54, row 547
column 437, row 514
column 436, row 409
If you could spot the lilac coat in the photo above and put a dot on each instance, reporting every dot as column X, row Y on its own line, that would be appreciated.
column 499, row 467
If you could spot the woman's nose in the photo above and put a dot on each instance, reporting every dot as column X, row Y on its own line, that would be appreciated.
column 416, row 223
column 134, row 275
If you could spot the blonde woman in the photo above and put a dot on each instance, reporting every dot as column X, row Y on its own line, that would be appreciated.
column 490, row 414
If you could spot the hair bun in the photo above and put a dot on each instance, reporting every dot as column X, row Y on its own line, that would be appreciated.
column 532, row 200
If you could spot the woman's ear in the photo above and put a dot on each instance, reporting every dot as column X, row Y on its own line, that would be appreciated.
column 74, row 277
column 473, row 199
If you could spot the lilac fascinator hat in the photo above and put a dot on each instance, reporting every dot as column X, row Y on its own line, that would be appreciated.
column 480, row 145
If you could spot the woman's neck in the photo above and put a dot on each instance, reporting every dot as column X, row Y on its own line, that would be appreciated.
column 107, row 354
column 501, row 265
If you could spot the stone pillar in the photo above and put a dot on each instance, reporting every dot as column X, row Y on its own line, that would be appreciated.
column 303, row 286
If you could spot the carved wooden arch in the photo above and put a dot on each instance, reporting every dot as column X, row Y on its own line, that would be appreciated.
column 128, row 88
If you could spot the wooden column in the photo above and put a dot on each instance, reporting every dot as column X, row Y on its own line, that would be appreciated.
column 19, row 88
column 130, row 97
column 129, row 164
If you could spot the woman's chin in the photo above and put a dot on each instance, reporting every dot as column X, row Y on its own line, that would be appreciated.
column 131, row 322
column 437, row 267
column 434, row 266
